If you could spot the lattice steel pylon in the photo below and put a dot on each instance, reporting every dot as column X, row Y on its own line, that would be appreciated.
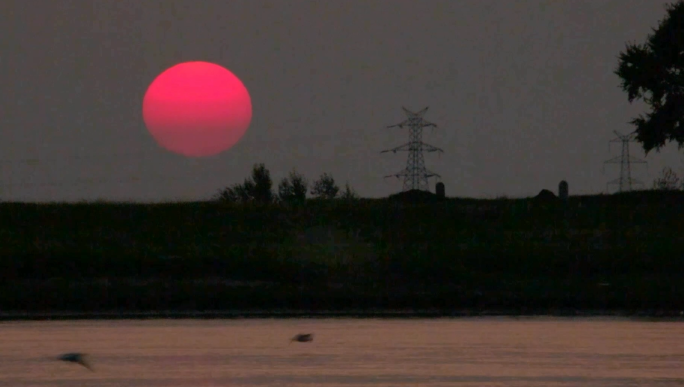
column 415, row 174
column 625, row 181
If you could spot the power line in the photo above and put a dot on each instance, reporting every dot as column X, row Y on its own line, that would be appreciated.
column 625, row 181
column 415, row 174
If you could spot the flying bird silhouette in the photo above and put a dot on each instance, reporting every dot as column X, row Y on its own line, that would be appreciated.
column 302, row 337
column 78, row 358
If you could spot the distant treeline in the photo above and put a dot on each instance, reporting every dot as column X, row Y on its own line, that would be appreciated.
column 591, row 251
column 293, row 189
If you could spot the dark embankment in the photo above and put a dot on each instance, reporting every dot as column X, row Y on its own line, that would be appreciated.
column 597, row 253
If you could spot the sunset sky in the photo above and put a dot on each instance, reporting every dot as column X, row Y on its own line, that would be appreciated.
column 523, row 92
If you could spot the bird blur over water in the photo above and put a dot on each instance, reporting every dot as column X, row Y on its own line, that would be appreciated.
column 497, row 351
column 303, row 338
column 75, row 357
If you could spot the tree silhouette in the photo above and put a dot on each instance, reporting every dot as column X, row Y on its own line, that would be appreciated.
column 349, row 193
column 654, row 73
column 238, row 193
column 293, row 188
column 325, row 187
column 263, row 185
column 257, row 188
column 667, row 181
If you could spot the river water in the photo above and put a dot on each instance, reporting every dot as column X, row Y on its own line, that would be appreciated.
column 346, row 352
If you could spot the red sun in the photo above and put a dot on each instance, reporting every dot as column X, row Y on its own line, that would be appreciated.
column 197, row 109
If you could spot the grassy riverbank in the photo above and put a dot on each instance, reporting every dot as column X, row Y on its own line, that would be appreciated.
column 612, row 252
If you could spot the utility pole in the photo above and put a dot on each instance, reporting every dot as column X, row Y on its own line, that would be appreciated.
column 415, row 174
column 625, row 181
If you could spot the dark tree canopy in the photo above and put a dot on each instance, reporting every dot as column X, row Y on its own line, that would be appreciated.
column 263, row 184
column 349, row 193
column 325, row 187
column 257, row 189
column 654, row 73
column 293, row 188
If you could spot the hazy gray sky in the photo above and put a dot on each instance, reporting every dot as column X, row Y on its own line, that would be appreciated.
column 523, row 92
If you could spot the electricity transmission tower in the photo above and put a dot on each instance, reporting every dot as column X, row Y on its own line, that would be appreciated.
column 625, row 181
column 415, row 174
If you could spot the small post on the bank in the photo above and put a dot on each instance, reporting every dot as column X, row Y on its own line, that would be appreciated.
column 439, row 190
column 563, row 191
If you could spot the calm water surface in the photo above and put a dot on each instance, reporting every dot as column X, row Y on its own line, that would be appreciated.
column 346, row 352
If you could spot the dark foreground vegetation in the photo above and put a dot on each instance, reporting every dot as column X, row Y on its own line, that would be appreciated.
column 602, row 253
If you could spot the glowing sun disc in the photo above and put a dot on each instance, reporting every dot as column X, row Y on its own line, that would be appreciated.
column 197, row 109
